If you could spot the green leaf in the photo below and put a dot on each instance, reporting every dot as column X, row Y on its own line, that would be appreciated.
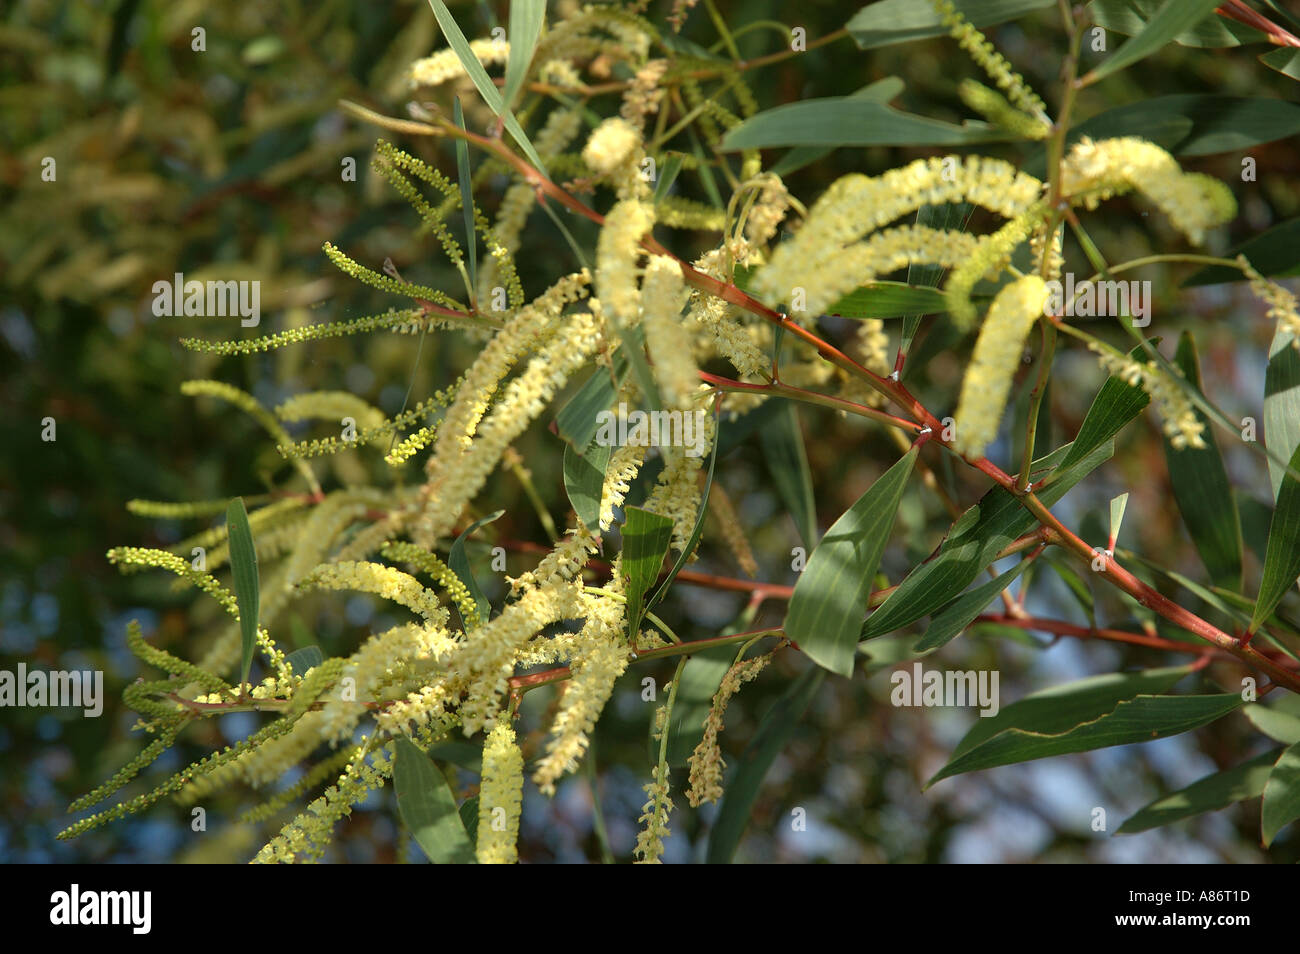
column 1274, row 253
column 1076, row 584
column 846, row 121
column 900, row 21
column 646, row 536
column 1208, row 794
column 584, row 479
column 458, row 563
column 1277, row 725
column 466, row 195
column 243, row 568
column 961, row 612
column 983, row 530
column 1282, row 560
column 1140, row 719
column 1201, row 488
column 526, row 18
column 668, row 175
column 1131, row 16
column 774, row 731
column 1281, row 795
column 303, row 660
column 696, row 686
column 468, row 813
column 890, row 300
column 482, row 82
column 881, row 91
column 784, row 451
column 428, row 807
column 1197, row 124
column 826, row 610
column 1117, row 507
column 1286, row 61
column 576, row 422
column 1281, row 406
column 1172, row 19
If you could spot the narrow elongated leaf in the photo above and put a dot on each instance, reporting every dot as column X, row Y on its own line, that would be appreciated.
column 899, row 21
column 826, row 610
column 881, row 91
column 305, row 659
column 464, row 176
column 1201, row 488
column 1281, row 405
column 526, row 18
column 1282, row 560
column 696, row 686
column 1286, row 61
column 890, row 300
column 469, row 818
column 1277, row 725
column 1131, row 16
column 1274, row 253
column 428, row 807
column 961, row 612
column 1172, row 19
column 458, row 563
column 784, row 451
column 243, row 569
column 845, row 121
column 584, row 479
column 1281, row 795
column 983, row 530
column 646, row 536
column 577, row 422
column 482, row 82
column 774, row 731
column 1139, row 719
column 1208, row 794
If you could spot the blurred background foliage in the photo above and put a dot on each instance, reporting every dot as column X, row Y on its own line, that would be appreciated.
column 227, row 162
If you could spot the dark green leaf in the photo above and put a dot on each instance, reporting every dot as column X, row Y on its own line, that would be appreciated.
column 1139, row 719
column 458, row 563
column 890, row 300
column 584, row 478
column 1282, row 560
column 469, row 818
column 1197, row 124
column 774, row 731
column 1173, row 18
column 881, row 91
column 1286, row 61
column 1205, row 795
column 1281, row 795
column 1274, row 253
column 243, row 568
column 1130, row 16
column 577, row 422
column 845, row 121
column 465, row 178
column 784, row 451
column 646, row 536
column 305, row 659
column 1201, row 487
column 428, row 807
column 961, row 612
column 899, row 21
column 826, row 610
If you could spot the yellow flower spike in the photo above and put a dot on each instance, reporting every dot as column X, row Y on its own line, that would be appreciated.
column 500, row 797
column 989, row 60
column 617, row 253
column 1093, row 171
column 993, row 365
column 990, row 257
column 385, row 581
column 994, row 107
column 1282, row 305
column 1178, row 416
column 663, row 296
column 445, row 64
